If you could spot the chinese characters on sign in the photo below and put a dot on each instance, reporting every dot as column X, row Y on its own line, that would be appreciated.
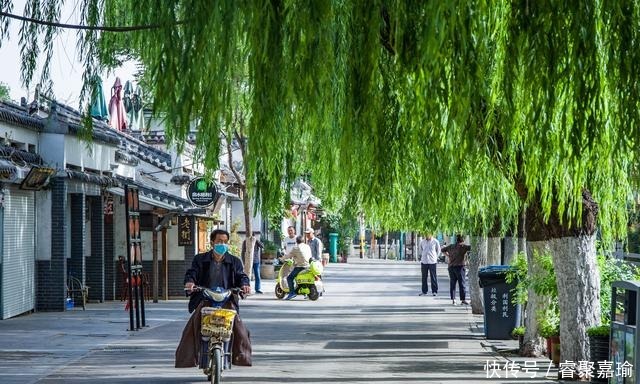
column 566, row 370
column 499, row 302
column 186, row 225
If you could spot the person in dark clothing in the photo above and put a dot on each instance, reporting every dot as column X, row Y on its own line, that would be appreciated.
column 211, row 269
column 457, row 260
column 216, row 268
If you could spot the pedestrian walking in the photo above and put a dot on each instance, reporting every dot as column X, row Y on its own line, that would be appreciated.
column 429, row 252
column 314, row 243
column 257, row 255
column 457, row 259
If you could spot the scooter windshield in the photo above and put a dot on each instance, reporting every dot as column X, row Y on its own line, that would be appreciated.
column 217, row 295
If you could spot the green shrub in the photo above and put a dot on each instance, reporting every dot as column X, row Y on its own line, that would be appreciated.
column 612, row 269
column 519, row 274
column 549, row 327
column 600, row 330
column 518, row 331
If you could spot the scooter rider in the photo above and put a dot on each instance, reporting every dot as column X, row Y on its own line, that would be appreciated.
column 300, row 254
column 214, row 268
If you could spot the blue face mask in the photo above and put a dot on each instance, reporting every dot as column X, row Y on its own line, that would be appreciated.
column 220, row 249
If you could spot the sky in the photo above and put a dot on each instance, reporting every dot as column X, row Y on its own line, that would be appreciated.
column 66, row 69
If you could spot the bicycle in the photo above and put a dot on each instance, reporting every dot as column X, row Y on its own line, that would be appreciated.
column 216, row 329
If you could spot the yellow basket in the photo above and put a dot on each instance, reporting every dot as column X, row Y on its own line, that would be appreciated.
column 217, row 322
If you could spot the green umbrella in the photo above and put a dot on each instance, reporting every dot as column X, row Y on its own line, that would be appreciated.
column 99, row 104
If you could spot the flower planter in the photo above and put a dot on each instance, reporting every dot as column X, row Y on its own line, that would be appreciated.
column 553, row 349
column 598, row 351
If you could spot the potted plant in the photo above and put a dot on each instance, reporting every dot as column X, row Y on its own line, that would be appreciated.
column 518, row 334
column 269, row 251
column 599, row 347
column 550, row 329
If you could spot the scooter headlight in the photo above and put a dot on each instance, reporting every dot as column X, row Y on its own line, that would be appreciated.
column 220, row 296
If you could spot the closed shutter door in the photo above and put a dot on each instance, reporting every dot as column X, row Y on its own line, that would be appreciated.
column 18, row 253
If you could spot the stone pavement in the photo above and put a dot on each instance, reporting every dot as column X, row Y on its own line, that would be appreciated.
column 369, row 327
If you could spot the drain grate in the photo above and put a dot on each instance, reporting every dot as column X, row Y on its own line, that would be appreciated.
column 122, row 348
column 22, row 355
column 391, row 310
column 387, row 345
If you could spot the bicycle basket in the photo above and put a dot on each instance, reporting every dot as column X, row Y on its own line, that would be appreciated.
column 217, row 322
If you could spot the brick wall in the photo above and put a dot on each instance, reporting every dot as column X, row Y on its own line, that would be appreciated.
column 95, row 261
column 51, row 274
column 76, row 263
column 110, row 292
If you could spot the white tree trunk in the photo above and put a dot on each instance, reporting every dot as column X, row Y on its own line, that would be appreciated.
column 578, row 280
column 250, row 240
column 522, row 245
column 386, row 244
column 510, row 249
column 477, row 260
column 493, row 251
column 534, row 345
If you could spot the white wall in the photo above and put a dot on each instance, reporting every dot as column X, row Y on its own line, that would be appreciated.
column 237, row 215
column 91, row 155
column 18, row 134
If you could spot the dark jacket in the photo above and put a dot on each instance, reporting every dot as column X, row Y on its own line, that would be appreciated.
column 234, row 276
column 457, row 253
column 232, row 272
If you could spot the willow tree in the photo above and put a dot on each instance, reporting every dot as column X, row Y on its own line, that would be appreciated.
column 543, row 93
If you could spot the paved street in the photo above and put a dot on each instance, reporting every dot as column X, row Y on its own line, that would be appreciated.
column 369, row 327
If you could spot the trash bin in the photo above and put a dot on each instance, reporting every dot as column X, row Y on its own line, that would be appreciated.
column 333, row 247
column 501, row 315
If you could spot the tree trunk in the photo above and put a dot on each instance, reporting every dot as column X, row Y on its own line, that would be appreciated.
column 522, row 233
column 477, row 260
column 578, row 280
column 250, row 240
column 534, row 345
column 493, row 251
column 510, row 249
column 386, row 244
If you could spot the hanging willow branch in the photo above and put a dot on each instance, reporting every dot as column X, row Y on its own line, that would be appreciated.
column 422, row 111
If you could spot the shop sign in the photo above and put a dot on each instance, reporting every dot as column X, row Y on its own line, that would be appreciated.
column 201, row 193
column 37, row 178
column 186, row 226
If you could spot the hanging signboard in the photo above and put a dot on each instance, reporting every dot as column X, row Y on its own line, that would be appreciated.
column 201, row 193
column 37, row 178
column 186, row 226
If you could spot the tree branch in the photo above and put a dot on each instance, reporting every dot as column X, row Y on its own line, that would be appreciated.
column 88, row 27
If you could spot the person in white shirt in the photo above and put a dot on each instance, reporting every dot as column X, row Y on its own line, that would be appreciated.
column 429, row 250
column 289, row 241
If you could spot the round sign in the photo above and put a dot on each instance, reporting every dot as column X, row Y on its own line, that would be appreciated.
column 201, row 193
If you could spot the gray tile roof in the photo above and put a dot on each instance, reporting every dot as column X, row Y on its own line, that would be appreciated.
column 15, row 114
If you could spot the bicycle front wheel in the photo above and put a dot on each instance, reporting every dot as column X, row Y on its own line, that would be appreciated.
column 215, row 365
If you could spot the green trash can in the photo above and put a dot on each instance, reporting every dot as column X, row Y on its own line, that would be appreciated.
column 333, row 247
